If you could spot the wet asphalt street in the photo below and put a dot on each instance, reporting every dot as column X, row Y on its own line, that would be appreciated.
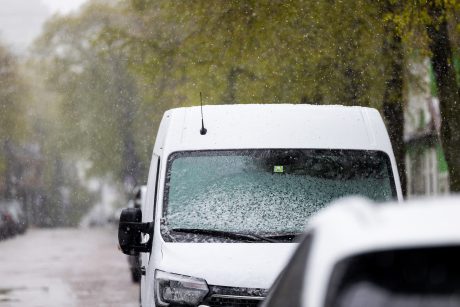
column 65, row 267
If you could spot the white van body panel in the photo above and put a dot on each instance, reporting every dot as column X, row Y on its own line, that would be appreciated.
column 230, row 264
column 276, row 126
column 251, row 265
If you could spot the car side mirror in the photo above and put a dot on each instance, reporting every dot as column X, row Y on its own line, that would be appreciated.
column 130, row 230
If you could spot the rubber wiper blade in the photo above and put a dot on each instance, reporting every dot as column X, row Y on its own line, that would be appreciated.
column 224, row 234
column 284, row 236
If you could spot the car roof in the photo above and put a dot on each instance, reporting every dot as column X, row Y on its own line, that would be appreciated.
column 255, row 126
column 366, row 225
column 356, row 226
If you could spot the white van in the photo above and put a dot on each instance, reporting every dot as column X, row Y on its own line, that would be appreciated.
column 224, row 204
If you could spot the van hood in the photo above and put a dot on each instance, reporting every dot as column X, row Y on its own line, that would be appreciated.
column 248, row 265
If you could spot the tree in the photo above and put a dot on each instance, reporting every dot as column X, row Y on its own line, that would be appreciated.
column 393, row 103
column 54, row 194
column 425, row 25
column 99, row 96
column 448, row 91
column 12, row 124
column 252, row 51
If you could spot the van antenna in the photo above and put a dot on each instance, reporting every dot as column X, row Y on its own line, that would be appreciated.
column 203, row 130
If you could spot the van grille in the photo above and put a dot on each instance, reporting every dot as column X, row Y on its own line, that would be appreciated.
column 222, row 296
column 234, row 301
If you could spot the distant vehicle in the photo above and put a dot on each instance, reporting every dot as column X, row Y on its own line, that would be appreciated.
column 4, row 227
column 15, row 210
column 114, row 217
column 227, row 196
column 134, row 260
column 13, row 220
column 358, row 254
column 98, row 216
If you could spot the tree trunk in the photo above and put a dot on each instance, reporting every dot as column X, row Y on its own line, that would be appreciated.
column 232, row 79
column 9, row 170
column 441, row 59
column 126, row 99
column 393, row 110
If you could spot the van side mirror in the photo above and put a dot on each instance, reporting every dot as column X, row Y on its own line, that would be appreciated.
column 130, row 230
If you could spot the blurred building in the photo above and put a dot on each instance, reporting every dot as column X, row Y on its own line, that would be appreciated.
column 426, row 166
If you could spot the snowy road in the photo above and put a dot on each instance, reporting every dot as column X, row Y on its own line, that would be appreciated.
column 65, row 267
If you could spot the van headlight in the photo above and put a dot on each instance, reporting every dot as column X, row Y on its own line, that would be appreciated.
column 179, row 289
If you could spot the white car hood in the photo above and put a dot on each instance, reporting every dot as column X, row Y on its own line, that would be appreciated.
column 248, row 265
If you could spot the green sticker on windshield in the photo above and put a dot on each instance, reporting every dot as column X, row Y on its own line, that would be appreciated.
column 278, row 169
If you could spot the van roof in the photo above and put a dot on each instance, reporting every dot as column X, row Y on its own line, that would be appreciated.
column 254, row 126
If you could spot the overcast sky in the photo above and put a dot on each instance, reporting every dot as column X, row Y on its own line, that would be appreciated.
column 21, row 20
column 62, row 6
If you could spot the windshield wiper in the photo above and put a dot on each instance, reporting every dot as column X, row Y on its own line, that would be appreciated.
column 225, row 234
column 287, row 237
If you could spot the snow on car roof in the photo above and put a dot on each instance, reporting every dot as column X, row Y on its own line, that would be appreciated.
column 276, row 126
column 357, row 225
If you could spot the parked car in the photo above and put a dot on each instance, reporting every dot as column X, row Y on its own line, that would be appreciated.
column 138, row 197
column 13, row 216
column 358, row 254
column 228, row 194
column 17, row 215
column 4, row 228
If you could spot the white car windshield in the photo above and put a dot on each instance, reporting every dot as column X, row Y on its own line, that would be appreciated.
column 267, row 192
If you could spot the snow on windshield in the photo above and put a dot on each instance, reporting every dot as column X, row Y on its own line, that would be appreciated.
column 266, row 192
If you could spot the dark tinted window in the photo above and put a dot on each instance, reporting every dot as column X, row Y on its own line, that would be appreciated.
column 401, row 278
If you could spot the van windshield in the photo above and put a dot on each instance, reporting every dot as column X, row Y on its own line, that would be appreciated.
column 266, row 192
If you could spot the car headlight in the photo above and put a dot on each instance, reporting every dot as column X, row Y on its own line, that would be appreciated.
column 179, row 289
